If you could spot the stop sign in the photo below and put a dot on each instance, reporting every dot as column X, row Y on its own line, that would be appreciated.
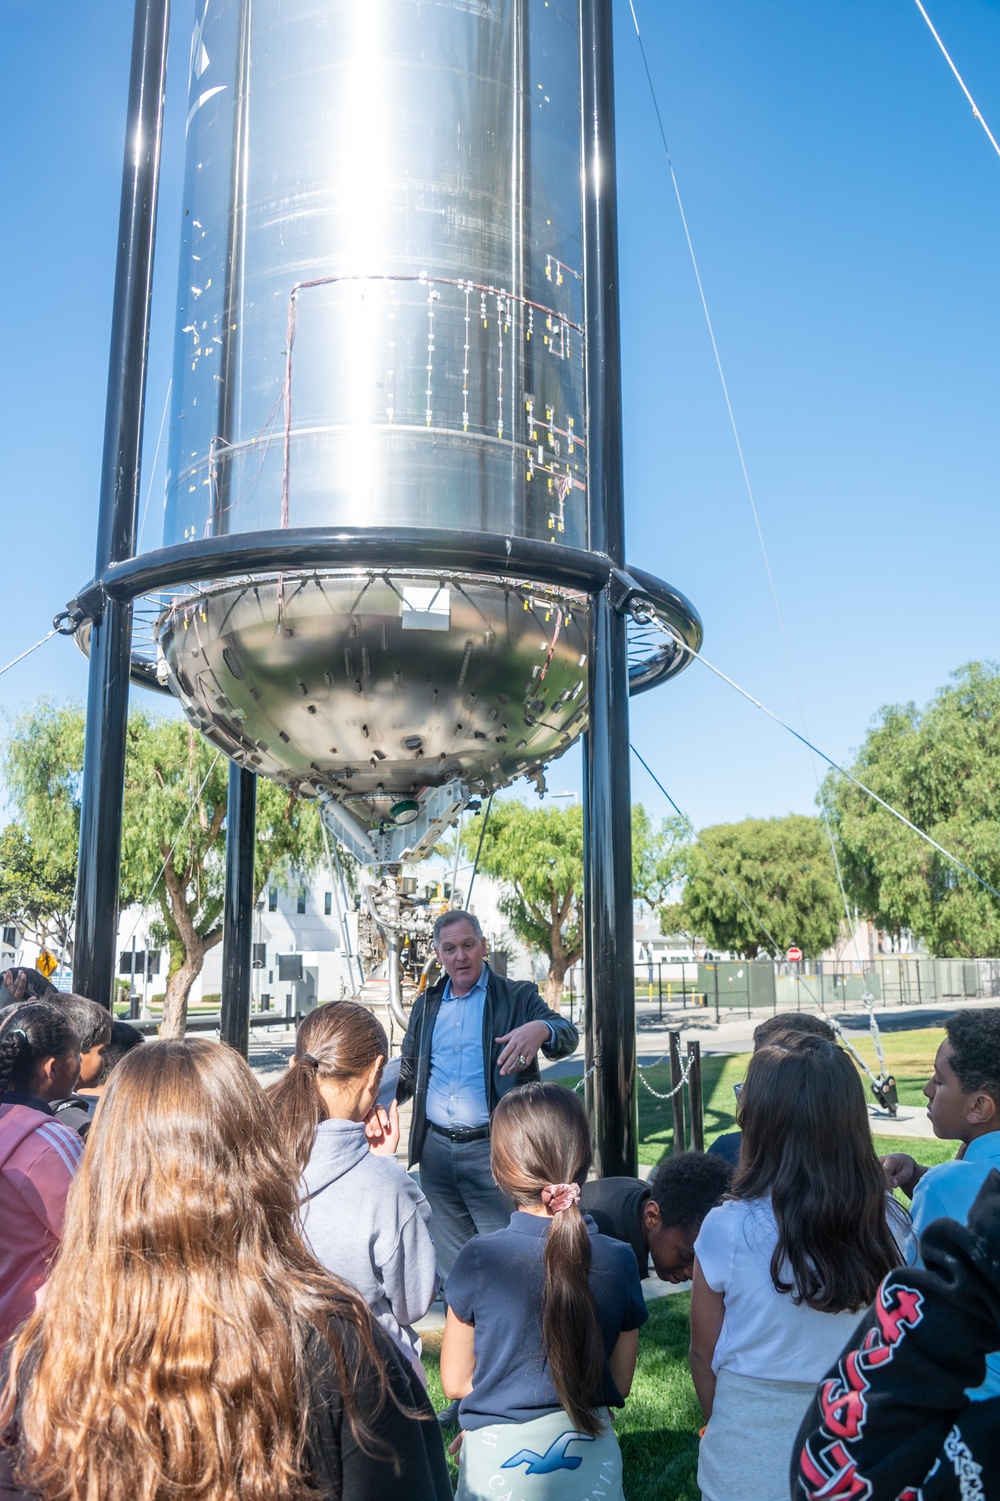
column 794, row 955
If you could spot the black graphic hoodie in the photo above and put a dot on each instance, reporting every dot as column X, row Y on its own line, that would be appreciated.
column 891, row 1422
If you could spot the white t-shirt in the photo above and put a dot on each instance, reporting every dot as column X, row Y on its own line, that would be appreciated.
column 764, row 1333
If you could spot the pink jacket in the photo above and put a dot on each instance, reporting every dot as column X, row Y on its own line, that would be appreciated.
column 38, row 1158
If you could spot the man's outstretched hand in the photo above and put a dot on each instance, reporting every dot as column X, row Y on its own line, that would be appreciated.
column 521, row 1045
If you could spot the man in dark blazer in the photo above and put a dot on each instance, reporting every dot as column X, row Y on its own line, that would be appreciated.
column 472, row 1036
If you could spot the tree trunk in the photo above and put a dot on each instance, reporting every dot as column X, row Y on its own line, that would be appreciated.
column 175, row 1002
column 554, row 983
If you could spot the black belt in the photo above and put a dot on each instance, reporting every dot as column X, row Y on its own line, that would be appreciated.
column 460, row 1133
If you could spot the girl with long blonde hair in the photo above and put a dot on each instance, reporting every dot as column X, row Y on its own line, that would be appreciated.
column 189, row 1345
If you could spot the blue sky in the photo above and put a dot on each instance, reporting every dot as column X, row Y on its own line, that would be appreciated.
column 845, row 210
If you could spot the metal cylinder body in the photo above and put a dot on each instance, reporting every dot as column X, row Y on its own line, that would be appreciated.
column 381, row 270
column 381, row 326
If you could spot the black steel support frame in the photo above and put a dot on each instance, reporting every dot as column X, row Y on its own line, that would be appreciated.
column 237, row 914
column 104, row 606
column 607, row 811
column 298, row 549
column 110, row 643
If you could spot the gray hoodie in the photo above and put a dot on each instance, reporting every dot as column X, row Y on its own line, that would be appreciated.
column 366, row 1221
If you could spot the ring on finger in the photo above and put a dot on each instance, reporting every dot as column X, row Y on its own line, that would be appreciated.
column 522, row 1060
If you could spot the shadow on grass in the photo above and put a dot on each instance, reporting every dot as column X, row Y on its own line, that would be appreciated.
column 658, row 1427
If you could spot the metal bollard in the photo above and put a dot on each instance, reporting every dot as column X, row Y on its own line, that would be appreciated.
column 695, row 1101
column 676, row 1074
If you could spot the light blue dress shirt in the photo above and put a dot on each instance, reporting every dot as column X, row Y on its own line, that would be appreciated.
column 947, row 1192
column 456, row 1088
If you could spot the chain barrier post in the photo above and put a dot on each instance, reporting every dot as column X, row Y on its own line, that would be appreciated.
column 696, row 1104
column 677, row 1093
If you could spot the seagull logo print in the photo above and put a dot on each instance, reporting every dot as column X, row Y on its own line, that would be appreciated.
column 554, row 1458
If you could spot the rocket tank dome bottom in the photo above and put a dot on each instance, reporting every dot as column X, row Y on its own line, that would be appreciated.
column 373, row 688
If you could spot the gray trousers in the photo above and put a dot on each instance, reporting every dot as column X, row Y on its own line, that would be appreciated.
column 464, row 1200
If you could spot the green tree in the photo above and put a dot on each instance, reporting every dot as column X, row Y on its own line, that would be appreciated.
column 536, row 855
column 173, row 826
column 659, row 856
column 940, row 766
column 41, row 765
column 36, row 890
column 782, row 866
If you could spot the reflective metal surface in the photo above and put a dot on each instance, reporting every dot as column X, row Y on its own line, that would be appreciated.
column 381, row 270
column 373, row 688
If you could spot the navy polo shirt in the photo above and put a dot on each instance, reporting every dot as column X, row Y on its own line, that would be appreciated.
column 497, row 1284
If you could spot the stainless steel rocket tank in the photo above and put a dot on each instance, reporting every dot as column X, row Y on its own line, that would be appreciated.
column 381, row 290
column 381, row 325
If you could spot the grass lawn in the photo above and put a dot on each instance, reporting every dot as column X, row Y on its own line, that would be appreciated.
column 659, row 1425
column 909, row 1057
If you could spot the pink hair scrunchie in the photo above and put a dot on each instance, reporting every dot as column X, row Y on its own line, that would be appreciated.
column 557, row 1196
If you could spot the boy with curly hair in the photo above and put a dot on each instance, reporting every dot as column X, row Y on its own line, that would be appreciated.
column 964, row 1105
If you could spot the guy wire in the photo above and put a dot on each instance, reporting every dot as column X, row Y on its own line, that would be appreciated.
column 836, row 766
column 746, row 475
column 479, row 850
column 961, row 81
column 47, row 637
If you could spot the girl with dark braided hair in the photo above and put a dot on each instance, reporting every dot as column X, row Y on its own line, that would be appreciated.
column 39, row 1062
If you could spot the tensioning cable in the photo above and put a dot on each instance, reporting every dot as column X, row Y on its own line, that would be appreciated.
column 775, row 946
column 773, row 943
column 47, row 637
column 835, row 765
column 883, row 1084
column 479, row 850
column 746, row 476
column 958, row 76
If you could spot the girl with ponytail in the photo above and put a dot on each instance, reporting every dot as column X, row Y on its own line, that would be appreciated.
column 39, row 1062
column 363, row 1215
column 541, row 1335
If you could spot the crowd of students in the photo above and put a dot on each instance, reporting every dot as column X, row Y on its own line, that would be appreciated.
column 210, row 1291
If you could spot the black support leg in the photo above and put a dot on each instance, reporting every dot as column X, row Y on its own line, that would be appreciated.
column 610, row 976
column 96, row 930
column 101, row 805
column 610, row 1027
column 237, row 940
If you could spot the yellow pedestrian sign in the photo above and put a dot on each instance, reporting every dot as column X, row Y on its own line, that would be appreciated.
column 46, row 963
